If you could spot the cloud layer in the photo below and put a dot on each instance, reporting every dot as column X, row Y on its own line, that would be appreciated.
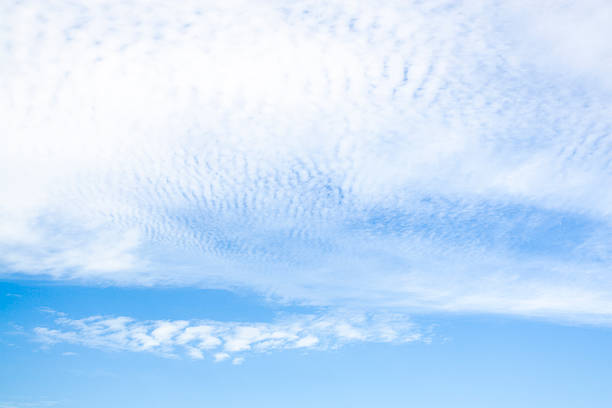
column 409, row 155
column 228, row 340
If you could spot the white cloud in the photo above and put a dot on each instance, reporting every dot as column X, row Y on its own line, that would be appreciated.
column 238, row 360
column 47, row 309
column 195, row 353
column 221, row 357
column 291, row 332
column 567, row 37
column 399, row 154
column 307, row 341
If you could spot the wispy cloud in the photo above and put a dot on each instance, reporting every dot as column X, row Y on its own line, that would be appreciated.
column 47, row 309
column 224, row 340
column 417, row 155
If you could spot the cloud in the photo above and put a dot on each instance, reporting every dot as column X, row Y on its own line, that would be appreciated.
column 47, row 309
column 565, row 37
column 221, row 357
column 225, row 340
column 403, row 155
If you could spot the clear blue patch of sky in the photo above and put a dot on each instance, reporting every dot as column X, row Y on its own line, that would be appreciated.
column 22, row 300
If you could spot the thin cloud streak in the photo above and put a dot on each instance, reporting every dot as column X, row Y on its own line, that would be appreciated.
column 225, row 340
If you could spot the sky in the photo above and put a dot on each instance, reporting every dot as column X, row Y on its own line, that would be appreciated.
column 304, row 203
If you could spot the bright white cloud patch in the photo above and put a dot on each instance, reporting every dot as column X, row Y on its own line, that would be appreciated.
column 223, row 340
column 415, row 155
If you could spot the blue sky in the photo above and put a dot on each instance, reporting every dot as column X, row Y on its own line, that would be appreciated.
column 400, row 203
column 472, row 360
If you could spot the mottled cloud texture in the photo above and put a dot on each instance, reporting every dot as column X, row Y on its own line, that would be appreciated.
column 419, row 156
column 224, row 340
